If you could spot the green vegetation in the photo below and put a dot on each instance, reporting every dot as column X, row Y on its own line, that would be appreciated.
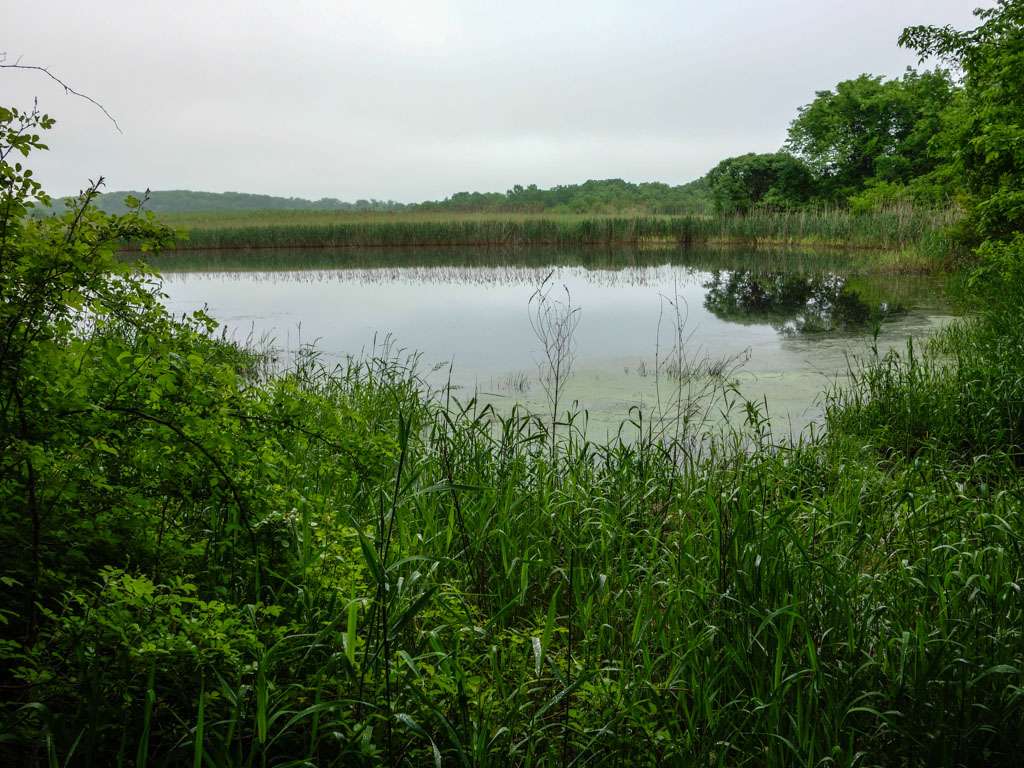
column 779, row 180
column 918, row 232
column 870, row 132
column 810, row 262
column 183, row 201
column 221, row 564
column 984, row 134
column 607, row 196
column 869, row 144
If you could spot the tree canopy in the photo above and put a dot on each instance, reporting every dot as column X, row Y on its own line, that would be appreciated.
column 592, row 196
column 737, row 184
column 870, row 129
column 985, row 129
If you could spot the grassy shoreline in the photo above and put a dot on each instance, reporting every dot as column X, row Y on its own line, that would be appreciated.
column 425, row 581
column 896, row 229
column 325, row 565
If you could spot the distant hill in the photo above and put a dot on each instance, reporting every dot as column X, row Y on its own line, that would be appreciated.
column 187, row 201
column 594, row 196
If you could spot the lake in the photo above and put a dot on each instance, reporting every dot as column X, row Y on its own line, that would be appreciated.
column 785, row 324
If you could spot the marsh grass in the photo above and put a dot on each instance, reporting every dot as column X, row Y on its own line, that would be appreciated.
column 517, row 382
column 895, row 229
column 455, row 585
column 609, row 603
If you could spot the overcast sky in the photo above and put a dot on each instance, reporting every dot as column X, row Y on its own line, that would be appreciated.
column 417, row 100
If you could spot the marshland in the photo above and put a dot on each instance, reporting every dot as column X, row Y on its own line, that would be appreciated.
column 714, row 474
column 785, row 325
column 895, row 227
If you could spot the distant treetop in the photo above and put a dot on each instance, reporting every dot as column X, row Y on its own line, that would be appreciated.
column 604, row 196
column 187, row 201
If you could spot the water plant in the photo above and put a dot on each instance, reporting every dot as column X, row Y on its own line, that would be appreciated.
column 897, row 228
column 554, row 321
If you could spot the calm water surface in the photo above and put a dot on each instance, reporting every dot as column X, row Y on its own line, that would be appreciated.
column 795, row 318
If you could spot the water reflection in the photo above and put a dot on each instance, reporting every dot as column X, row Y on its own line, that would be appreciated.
column 793, row 303
column 303, row 262
column 799, row 315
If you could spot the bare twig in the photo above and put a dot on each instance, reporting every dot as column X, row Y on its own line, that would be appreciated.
column 67, row 88
column 554, row 323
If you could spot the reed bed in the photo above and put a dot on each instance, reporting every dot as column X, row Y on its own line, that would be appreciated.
column 893, row 229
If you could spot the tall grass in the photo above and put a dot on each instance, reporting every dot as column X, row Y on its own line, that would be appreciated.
column 893, row 229
column 852, row 600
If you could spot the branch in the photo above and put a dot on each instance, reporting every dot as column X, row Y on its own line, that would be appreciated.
column 67, row 88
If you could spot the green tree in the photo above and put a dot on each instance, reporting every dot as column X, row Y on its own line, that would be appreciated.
column 139, row 449
column 738, row 184
column 592, row 196
column 871, row 129
column 985, row 132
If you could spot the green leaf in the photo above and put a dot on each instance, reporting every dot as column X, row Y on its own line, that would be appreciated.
column 350, row 632
column 415, row 727
column 199, row 735
column 411, row 611
column 262, row 702
column 549, row 626
column 370, row 555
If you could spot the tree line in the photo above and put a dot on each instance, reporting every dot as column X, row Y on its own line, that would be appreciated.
column 593, row 196
column 867, row 143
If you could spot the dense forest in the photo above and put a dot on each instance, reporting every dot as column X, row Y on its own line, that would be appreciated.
column 215, row 560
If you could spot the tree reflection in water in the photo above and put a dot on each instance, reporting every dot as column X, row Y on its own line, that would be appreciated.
column 792, row 304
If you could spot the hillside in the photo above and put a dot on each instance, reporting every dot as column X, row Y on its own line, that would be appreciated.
column 188, row 201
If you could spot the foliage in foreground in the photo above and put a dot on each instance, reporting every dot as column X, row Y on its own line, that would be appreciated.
column 323, row 567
